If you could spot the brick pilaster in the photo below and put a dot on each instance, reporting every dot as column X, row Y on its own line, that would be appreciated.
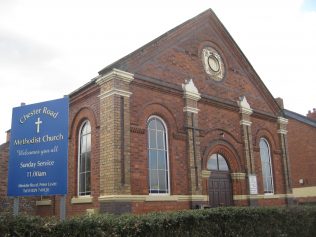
column 282, row 131
column 191, row 97
column 245, row 122
column 115, row 132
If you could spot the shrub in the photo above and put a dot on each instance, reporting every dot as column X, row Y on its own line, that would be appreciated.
column 232, row 221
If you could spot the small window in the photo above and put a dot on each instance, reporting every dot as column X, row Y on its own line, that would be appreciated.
column 217, row 162
column 84, row 160
column 157, row 156
column 266, row 166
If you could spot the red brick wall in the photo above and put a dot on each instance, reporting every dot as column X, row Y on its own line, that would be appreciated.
column 169, row 107
column 144, row 207
column 302, row 153
column 5, row 202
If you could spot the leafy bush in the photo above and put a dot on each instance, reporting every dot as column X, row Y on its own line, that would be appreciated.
column 233, row 221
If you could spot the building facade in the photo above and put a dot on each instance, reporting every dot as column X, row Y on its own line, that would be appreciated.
column 183, row 122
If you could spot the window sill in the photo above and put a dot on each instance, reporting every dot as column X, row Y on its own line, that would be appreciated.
column 160, row 197
column 81, row 200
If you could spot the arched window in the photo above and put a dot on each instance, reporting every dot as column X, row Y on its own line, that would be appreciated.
column 217, row 162
column 267, row 175
column 84, row 159
column 158, row 168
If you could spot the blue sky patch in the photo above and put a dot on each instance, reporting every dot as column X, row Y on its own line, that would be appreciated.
column 309, row 5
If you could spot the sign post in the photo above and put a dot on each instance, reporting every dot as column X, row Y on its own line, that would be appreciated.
column 39, row 149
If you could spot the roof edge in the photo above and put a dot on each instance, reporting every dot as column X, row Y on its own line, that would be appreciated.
column 299, row 117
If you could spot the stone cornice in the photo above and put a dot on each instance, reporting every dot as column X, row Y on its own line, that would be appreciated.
column 115, row 74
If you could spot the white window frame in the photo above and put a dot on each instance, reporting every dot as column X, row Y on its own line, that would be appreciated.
column 270, row 165
column 167, row 149
column 78, row 159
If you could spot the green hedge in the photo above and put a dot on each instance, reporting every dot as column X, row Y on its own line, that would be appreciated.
column 234, row 221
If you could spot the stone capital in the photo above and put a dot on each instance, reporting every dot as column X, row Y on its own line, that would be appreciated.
column 244, row 106
column 190, row 109
column 190, row 91
column 283, row 121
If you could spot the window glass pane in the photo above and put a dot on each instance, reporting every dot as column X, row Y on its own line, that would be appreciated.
column 160, row 126
column 82, row 163
column 160, row 140
column 222, row 164
column 84, row 129
column 83, row 145
column 82, row 181
column 88, row 182
column 162, row 159
column 88, row 142
column 212, row 163
column 152, row 159
column 88, row 162
column 162, row 180
column 266, row 166
column 152, row 124
column 154, row 180
column 152, row 139
column 88, row 127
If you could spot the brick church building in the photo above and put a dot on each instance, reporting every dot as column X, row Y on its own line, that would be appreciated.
column 183, row 122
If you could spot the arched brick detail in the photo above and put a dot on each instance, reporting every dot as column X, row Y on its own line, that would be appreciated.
column 264, row 133
column 224, row 148
column 161, row 111
column 81, row 116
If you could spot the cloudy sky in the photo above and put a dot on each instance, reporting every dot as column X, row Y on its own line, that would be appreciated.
column 49, row 48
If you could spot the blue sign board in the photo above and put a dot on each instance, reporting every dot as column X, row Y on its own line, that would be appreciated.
column 39, row 149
